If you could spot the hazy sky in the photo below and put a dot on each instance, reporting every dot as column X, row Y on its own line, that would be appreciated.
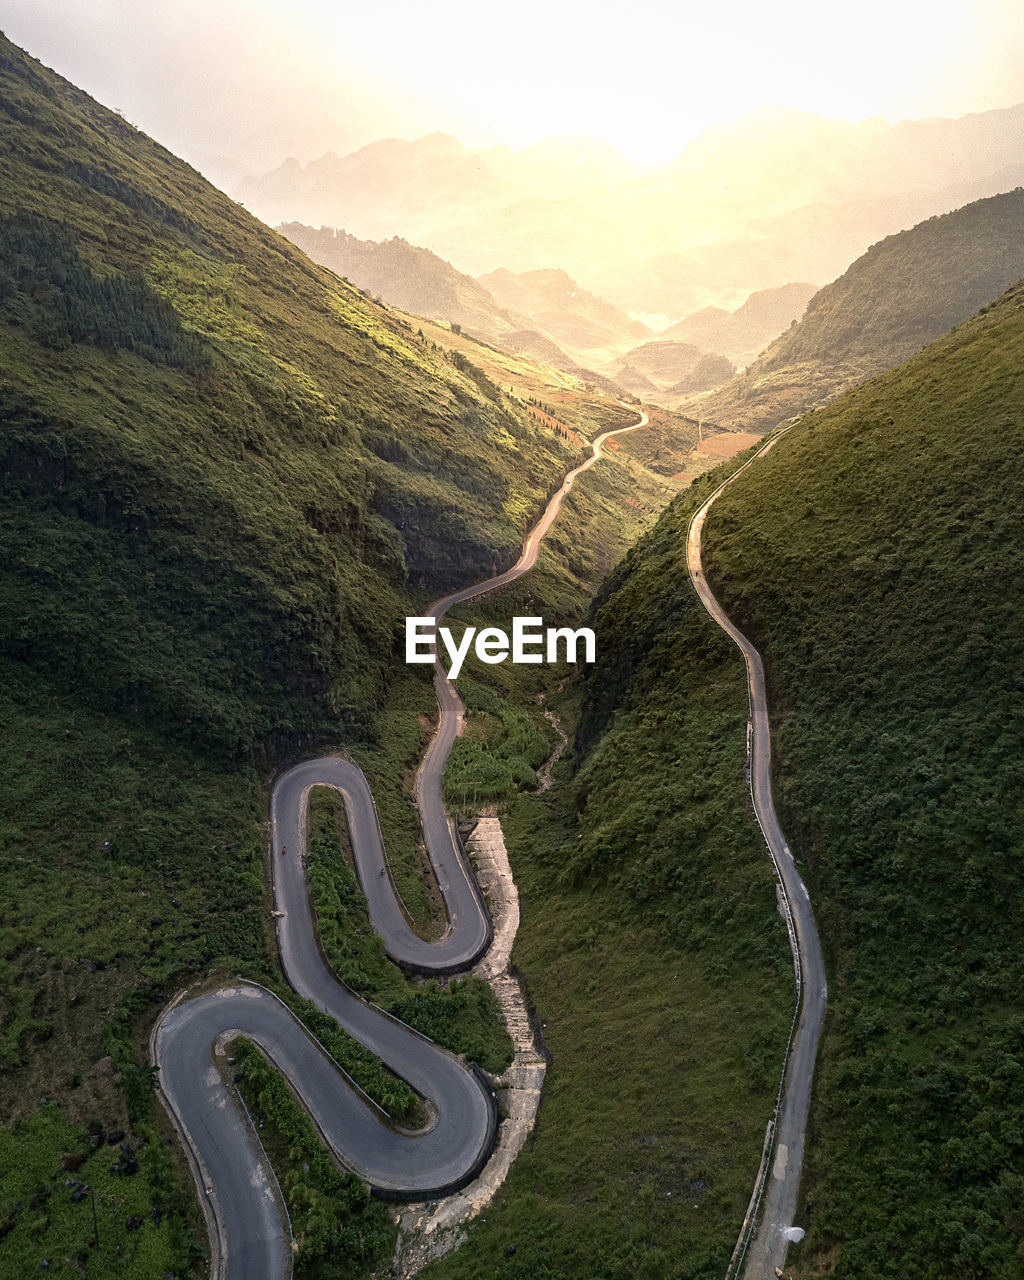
column 235, row 86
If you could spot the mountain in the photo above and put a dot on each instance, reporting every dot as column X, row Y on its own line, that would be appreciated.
column 536, row 346
column 662, row 363
column 773, row 197
column 903, row 293
column 543, row 314
column 562, row 164
column 816, row 242
column 412, row 279
column 381, row 189
column 870, row 555
column 568, row 329
column 246, row 371
column 226, row 476
column 709, row 371
column 580, row 321
column 398, row 187
column 742, row 333
column 799, row 159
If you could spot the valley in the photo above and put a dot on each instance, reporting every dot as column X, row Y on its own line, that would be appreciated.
column 250, row 1235
column 743, row 430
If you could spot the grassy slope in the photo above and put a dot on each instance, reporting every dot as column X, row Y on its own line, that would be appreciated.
column 461, row 1016
column 225, row 476
column 665, row 1040
column 270, row 501
column 904, row 292
column 875, row 557
column 405, row 276
column 338, row 1230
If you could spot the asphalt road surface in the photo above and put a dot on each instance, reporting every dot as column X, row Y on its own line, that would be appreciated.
column 767, row 1249
column 249, row 1232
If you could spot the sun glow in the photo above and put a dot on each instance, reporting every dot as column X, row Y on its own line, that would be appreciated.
column 256, row 81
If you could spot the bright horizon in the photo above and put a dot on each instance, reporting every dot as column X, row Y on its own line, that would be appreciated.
column 236, row 87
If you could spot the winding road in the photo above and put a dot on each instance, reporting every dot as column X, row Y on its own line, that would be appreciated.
column 773, row 1202
column 250, row 1236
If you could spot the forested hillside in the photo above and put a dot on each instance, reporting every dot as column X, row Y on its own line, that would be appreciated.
column 906, row 291
column 225, row 477
column 209, row 437
column 873, row 555
column 405, row 276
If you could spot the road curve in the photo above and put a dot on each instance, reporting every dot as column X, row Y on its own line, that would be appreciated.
column 773, row 1203
column 249, row 1234
column 452, row 710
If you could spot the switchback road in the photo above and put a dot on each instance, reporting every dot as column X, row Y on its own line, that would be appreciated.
column 773, row 1203
column 249, row 1233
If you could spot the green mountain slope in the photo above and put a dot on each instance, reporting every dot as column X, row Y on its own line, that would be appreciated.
column 406, row 277
column 211, row 441
column 225, row 476
column 904, row 292
column 874, row 556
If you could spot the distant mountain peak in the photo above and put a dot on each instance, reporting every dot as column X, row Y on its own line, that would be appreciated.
column 905, row 291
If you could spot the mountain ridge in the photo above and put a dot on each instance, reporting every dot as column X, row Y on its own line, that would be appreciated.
column 869, row 558
column 480, row 222
column 906, row 291
column 867, row 555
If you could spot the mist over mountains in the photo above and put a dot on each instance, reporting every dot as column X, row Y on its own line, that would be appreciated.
column 228, row 475
column 546, row 315
column 542, row 313
column 906, row 291
column 775, row 196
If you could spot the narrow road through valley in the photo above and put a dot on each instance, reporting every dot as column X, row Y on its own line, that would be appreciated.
column 249, row 1233
column 773, row 1203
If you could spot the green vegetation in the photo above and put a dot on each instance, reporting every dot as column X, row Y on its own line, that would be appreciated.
column 515, row 747
column 225, row 476
column 49, row 289
column 71, row 1203
column 904, row 292
column 576, row 403
column 654, row 956
column 210, row 441
column 405, row 276
column 596, row 524
column 389, row 1091
column 462, row 1016
column 874, row 556
column 507, row 737
column 143, row 865
column 338, row 1228
column 665, row 445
